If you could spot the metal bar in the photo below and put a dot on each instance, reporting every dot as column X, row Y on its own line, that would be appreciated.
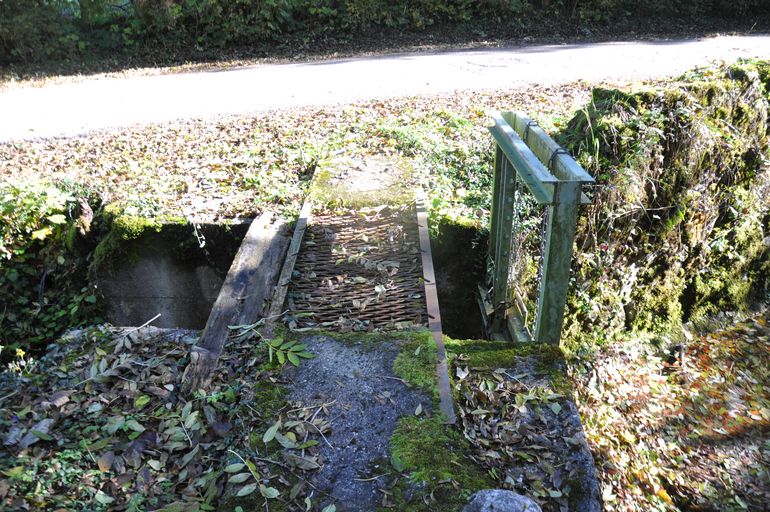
column 563, row 166
column 434, row 317
column 557, row 258
column 531, row 171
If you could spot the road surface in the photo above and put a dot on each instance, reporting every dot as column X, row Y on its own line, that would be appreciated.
column 75, row 108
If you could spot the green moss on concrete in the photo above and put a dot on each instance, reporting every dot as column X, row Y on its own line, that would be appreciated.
column 675, row 231
column 122, row 230
column 489, row 355
column 486, row 354
column 331, row 193
column 434, row 455
column 416, row 363
column 360, row 338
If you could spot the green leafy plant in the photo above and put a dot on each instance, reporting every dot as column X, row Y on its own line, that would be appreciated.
column 278, row 349
column 291, row 351
column 41, row 283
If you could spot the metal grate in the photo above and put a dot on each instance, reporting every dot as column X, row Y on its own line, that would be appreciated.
column 526, row 254
column 359, row 271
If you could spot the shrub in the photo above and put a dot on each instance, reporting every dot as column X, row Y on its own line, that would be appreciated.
column 36, row 30
column 42, row 286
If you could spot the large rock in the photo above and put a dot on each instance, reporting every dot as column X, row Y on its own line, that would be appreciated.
column 498, row 500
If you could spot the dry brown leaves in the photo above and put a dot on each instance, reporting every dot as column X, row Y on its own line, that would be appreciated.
column 686, row 428
column 100, row 425
column 521, row 430
column 241, row 165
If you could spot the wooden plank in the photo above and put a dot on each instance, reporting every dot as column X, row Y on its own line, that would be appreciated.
column 531, row 170
column 282, row 288
column 557, row 258
column 241, row 298
column 434, row 317
column 563, row 166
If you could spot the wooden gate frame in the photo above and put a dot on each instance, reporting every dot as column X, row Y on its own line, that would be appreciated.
column 553, row 177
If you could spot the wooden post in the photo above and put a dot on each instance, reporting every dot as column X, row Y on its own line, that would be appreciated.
column 505, row 185
column 557, row 258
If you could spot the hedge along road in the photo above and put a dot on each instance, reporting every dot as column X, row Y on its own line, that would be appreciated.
column 75, row 108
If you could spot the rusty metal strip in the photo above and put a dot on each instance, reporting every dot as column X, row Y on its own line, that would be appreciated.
column 434, row 316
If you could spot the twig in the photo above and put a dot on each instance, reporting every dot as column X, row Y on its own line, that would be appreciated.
column 402, row 381
column 321, row 434
column 185, row 432
column 312, row 407
column 271, row 461
column 370, row 479
column 134, row 329
column 287, row 468
column 516, row 379
column 91, row 455
column 9, row 395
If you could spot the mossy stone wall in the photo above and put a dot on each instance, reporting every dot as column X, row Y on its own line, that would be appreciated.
column 679, row 223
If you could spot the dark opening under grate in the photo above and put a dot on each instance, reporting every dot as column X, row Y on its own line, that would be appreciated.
column 359, row 271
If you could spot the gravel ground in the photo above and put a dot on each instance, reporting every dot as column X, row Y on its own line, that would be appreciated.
column 366, row 400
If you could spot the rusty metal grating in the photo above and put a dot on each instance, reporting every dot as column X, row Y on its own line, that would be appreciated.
column 359, row 271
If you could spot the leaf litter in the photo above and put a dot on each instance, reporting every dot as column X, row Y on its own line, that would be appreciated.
column 101, row 426
column 682, row 426
column 526, row 434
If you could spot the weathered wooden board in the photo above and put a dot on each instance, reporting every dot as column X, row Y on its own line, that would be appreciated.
column 279, row 296
column 249, row 283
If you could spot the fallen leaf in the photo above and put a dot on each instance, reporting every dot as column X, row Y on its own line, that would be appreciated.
column 105, row 461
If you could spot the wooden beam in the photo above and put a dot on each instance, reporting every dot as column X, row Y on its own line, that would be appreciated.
column 282, row 287
column 241, row 298
column 557, row 259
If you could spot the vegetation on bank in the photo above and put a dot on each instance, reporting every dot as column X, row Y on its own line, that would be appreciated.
column 52, row 32
column 678, row 232
column 678, row 229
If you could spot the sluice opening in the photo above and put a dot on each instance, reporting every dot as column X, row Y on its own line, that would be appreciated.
column 173, row 270
column 458, row 255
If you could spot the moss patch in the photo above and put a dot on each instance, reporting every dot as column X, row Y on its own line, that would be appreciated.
column 121, row 229
column 684, row 185
column 485, row 354
column 416, row 363
column 349, row 183
column 434, row 454
column 489, row 355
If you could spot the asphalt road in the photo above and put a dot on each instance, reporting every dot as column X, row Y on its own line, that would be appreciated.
column 75, row 108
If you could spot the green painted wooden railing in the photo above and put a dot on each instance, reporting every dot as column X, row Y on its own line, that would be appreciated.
column 526, row 155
